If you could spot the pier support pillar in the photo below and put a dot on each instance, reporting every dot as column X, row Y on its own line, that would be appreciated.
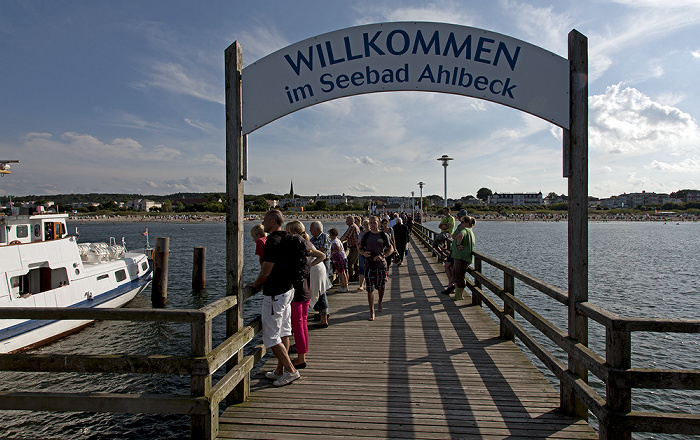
column 199, row 268
column 159, row 287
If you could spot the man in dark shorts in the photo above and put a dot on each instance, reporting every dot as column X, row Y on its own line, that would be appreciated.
column 375, row 247
column 277, row 297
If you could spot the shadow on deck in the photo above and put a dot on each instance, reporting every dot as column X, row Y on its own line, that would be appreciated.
column 426, row 368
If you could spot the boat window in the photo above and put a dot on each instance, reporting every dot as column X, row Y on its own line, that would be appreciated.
column 37, row 280
column 134, row 270
column 22, row 231
column 102, row 277
column 120, row 275
column 144, row 266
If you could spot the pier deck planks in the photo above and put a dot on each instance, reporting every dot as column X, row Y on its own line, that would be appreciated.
column 425, row 368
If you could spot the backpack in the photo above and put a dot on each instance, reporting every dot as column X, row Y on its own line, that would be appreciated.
column 295, row 256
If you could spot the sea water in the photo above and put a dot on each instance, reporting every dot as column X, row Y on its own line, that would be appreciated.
column 636, row 269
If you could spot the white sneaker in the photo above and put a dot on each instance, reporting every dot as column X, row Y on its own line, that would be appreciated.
column 287, row 378
column 342, row 290
column 272, row 375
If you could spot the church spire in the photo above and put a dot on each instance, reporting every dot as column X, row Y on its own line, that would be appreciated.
column 291, row 188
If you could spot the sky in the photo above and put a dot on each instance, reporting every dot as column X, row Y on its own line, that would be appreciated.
column 128, row 97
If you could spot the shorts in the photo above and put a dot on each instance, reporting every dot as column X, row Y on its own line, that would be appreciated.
column 276, row 318
column 375, row 278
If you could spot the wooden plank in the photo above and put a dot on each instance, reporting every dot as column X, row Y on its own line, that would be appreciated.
column 426, row 367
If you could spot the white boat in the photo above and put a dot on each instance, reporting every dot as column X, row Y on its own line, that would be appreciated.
column 43, row 266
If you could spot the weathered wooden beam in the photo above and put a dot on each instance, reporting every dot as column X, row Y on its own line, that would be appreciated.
column 660, row 379
column 227, row 349
column 119, row 364
column 101, row 314
column 235, row 164
column 577, row 148
column 549, row 290
column 103, row 402
column 667, row 423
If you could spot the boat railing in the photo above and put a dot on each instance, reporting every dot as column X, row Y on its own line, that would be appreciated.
column 614, row 410
column 204, row 360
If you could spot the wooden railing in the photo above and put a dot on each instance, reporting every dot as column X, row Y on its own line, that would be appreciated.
column 203, row 402
column 614, row 411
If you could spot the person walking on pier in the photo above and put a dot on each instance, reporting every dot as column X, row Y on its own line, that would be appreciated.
column 320, row 286
column 462, row 248
column 385, row 228
column 375, row 246
column 277, row 297
column 351, row 236
column 401, row 238
column 361, row 259
column 339, row 260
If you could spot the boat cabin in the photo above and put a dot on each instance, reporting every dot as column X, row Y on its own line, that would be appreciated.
column 18, row 229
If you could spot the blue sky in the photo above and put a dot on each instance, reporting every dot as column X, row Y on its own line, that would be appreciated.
column 128, row 97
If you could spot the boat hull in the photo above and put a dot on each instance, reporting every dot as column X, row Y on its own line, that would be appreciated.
column 34, row 333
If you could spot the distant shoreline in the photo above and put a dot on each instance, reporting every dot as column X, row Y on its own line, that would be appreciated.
column 189, row 219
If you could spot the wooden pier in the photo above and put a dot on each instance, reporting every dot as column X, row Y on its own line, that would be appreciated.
column 427, row 367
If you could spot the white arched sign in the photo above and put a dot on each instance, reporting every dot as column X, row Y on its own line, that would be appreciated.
column 431, row 57
column 406, row 56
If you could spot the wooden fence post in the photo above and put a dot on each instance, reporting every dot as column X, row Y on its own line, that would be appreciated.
column 508, row 287
column 618, row 352
column 202, row 427
column 576, row 170
column 476, row 297
column 233, row 59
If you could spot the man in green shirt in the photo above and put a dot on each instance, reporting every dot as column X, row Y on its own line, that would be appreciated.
column 447, row 226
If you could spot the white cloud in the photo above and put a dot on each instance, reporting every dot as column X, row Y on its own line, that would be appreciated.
column 263, row 40
column 206, row 127
column 541, row 26
column 695, row 54
column 212, row 159
column 364, row 160
column 627, row 121
column 645, row 21
column 503, row 179
column 362, row 187
column 689, row 165
column 437, row 11
column 178, row 79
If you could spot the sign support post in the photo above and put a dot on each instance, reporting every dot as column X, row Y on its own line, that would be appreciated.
column 234, row 207
column 576, row 170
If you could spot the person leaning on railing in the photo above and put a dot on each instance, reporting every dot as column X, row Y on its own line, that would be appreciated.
column 447, row 226
column 462, row 248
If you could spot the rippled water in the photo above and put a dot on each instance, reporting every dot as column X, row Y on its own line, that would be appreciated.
column 636, row 269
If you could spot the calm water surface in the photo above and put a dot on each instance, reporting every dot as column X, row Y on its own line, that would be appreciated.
column 636, row 269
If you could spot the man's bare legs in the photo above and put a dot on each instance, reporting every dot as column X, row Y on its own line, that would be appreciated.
column 281, row 353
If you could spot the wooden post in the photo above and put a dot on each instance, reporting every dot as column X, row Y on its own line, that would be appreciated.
column 508, row 287
column 202, row 427
column 199, row 268
column 159, row 287
column 618, row 352
column 233, row 58
column 576, row 153
column 476, row 299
